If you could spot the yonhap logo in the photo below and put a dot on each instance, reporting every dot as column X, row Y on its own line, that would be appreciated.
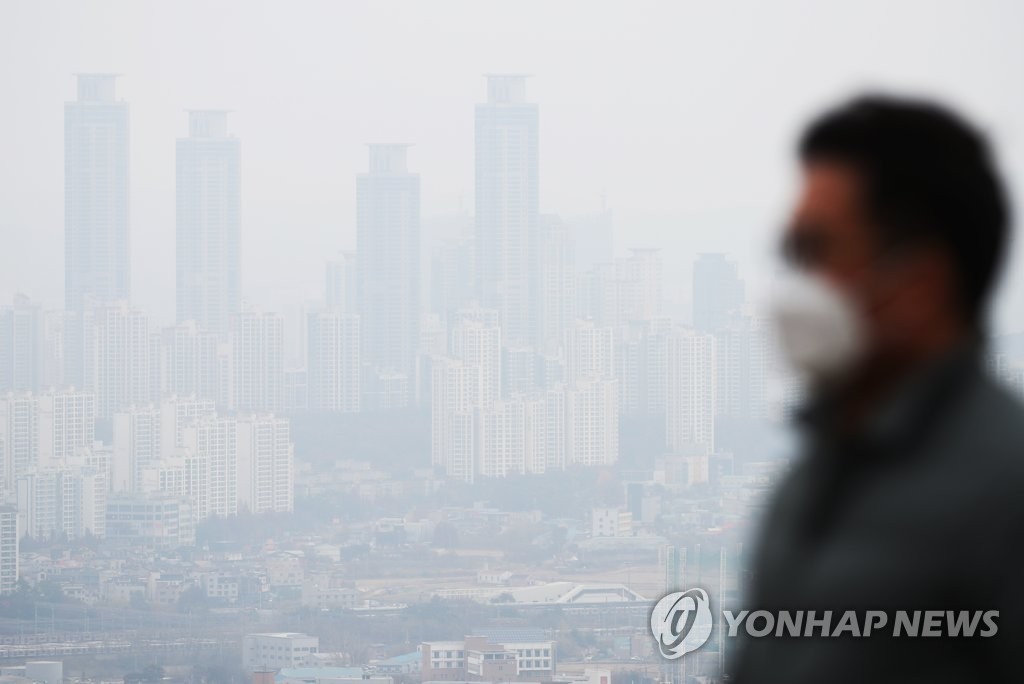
column 681, row 622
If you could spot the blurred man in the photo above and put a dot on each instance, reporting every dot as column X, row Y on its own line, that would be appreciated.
column 909, row 493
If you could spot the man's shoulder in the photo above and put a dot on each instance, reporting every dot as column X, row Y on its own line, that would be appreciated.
column 985, row 429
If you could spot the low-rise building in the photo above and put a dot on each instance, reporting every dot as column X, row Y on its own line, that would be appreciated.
column 277, row 650
column 153, row 521
column 501, row 655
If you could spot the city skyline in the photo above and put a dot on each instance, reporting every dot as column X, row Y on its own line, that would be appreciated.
column 406, row 342
column 585, row 114
column 516, row 355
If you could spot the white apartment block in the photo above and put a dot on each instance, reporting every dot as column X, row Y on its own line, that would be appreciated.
column 83, row 502
column 137, row 445
column 176, row 414
column 265, row 462
column 589, row 352
column 453, row 409
column 21, row 346
column 190, row 363
column 258, row 368
column 8, row 549
column 211, row 443
column 523, row 434
column 70, row 501
column 741, row 360
column 503, row 434
column 624, row 290
column 43, row 431
column 118, row 349
column 592, row 422
column 611, row 522
column 67, row 423
column 690, row 403
column 495, row 658
column 157, row 521
column 19, row 436
column 334, row 361
column 478, row 345
column 278, row 650
column 146, row 439
column 717, row 291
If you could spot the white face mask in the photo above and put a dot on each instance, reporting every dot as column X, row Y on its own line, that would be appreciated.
column 820, row 330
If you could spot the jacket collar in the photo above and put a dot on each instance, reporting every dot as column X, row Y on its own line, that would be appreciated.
column 908, row 407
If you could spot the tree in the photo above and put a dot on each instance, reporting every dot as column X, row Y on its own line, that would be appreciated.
column 446, row 536
column 151, row 674
column 137, row 600
column 193, row 600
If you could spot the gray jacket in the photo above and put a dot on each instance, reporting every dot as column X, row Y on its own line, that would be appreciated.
column 921, row 510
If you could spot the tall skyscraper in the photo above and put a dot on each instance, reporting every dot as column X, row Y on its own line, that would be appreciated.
column 388, row 260
column 717, row 292
column 507, row 219
column 451, row 279
column 96, row 240
column 208, row 223
column 558, row 281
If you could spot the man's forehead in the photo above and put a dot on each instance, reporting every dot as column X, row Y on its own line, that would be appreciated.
column 829, row 187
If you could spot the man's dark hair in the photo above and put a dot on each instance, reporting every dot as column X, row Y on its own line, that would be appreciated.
column 928, row 177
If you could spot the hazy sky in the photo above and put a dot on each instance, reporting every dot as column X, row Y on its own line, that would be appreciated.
column 683, row 113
